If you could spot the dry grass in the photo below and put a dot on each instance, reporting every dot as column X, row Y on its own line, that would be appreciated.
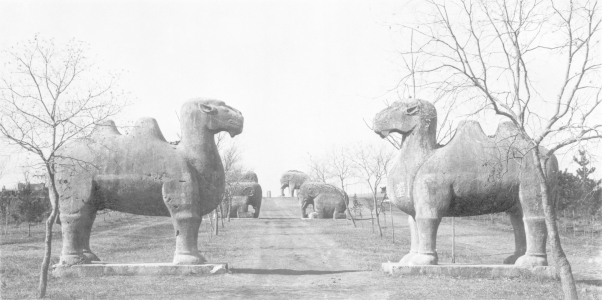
column 127, row 238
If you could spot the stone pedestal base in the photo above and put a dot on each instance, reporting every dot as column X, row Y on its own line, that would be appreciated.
column 99, row 269
column 472, row 271
column 245, row 215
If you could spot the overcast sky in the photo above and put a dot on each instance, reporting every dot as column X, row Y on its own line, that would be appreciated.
column 305, row 74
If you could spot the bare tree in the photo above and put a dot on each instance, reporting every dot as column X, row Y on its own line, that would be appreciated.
column 341, row 168
column 371, row 163
column 231, row 154
column 3, row 163
column 534, row 62
column 49, row 96
column 319, row 167
column 340, row 165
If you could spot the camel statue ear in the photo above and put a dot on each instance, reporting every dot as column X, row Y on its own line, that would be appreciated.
column 208, row 109
column 412, row 110
column 249, row 191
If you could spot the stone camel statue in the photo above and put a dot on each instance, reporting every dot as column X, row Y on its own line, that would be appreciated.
column 292, row 179
column 328, row 201
column 245, row 193
column 141, row 173
column 472, row 175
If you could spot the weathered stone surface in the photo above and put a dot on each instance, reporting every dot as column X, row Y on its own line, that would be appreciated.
column 327, row 201
column 249, row 176
column 292, row 179
column 98, row 269
column 473, row 174
column 141, row 173
column 245, row 193
column 472, row 271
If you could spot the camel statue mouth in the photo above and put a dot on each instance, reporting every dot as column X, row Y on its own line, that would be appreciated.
column 384, row 133
column 235, row 123
column 234, row 126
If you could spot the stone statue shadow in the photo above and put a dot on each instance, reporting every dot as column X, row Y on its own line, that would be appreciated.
column 594, row 282
column 288, row 271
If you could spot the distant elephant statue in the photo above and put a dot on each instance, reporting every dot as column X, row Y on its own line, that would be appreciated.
column 249, row 176
column 292, row 180
column 328, row 201
column 245, row 193
column 473, row 174
column 141, row 173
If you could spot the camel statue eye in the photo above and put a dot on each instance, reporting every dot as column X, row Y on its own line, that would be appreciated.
column 412, row 110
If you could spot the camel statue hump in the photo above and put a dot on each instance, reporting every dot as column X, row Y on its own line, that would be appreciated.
column 147, row 128
column 470, row 130
column 105, row 128
column 506, row 129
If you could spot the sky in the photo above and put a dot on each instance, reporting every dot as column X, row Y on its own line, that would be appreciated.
column 305, row 74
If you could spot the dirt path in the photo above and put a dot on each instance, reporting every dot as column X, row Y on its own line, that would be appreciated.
column 281, row 256
column 292, row 257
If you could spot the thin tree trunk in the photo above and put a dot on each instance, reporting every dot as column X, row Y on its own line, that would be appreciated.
column 54, row 200
column 6, row 219
column 563, row 267
column 372, row 220
column 229, row 206
column 210, row 217
column 453, row 240
column 221, row 212
column 216, row 221
column 380, row 231
column 348, row 211
column 391, row 213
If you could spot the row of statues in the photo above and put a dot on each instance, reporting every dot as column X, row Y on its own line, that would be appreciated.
column 141, row 173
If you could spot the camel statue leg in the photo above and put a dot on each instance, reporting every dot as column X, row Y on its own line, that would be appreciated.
column 427, row 241
column 520, row 243
column 86, row 238
column 535, row 226
column 414, row 240
column 77, row 216
column 430, row 206
column 181, row 197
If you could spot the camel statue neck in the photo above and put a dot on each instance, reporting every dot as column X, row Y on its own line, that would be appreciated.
column 198, row 142
column 421, row 141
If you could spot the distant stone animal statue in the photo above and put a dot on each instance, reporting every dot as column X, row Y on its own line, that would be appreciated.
column 245, row 193
column 327, row 200
column 249, row 176
column 472, row 175
column 141, row 173
column 292, row 179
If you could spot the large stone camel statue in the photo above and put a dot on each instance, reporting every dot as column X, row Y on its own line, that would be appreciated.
column 141, row 173
column 472, row 175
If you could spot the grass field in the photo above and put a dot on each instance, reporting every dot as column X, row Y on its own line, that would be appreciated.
column 280, row 256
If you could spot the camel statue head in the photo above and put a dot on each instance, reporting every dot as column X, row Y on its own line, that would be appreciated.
column 211, row 115
column 407, row 117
